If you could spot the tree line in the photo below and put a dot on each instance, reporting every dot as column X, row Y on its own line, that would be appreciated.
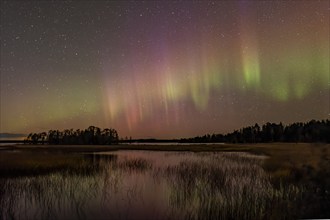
column 312, row 131
column 91, row 135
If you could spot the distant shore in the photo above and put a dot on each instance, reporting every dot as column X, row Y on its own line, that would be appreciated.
column 253, row 148
column 100, row 148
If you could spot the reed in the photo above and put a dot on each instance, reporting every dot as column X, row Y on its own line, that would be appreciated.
column 185, row 185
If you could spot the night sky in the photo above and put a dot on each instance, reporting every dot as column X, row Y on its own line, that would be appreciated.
column 162, row 69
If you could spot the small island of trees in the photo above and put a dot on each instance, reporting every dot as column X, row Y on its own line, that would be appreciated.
column 91, row 135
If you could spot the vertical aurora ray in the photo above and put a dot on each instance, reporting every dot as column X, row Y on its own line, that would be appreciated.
column 293, row 76
column 179, row 73
column 251, row 68
column 160, row 88
column 249, row 47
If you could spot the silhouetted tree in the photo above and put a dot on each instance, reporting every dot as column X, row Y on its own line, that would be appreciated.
column 91, row 135
column 312, row 131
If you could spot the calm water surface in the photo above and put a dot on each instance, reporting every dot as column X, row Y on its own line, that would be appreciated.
column 150, row 185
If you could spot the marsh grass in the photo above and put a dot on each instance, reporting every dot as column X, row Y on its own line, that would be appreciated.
column 136, row 164
column 228, row 186
column 305, row 166
column 14, row 164
column 274, row 182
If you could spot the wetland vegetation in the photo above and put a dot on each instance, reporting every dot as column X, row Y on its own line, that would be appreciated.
column 260, row 181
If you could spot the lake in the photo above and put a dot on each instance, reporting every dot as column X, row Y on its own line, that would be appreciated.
column 152, row 185
column 10, row 140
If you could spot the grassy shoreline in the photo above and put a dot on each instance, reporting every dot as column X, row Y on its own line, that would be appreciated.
column 98, row 148
column 253, row 148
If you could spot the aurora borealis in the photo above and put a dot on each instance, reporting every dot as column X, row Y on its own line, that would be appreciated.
column 162, row 69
